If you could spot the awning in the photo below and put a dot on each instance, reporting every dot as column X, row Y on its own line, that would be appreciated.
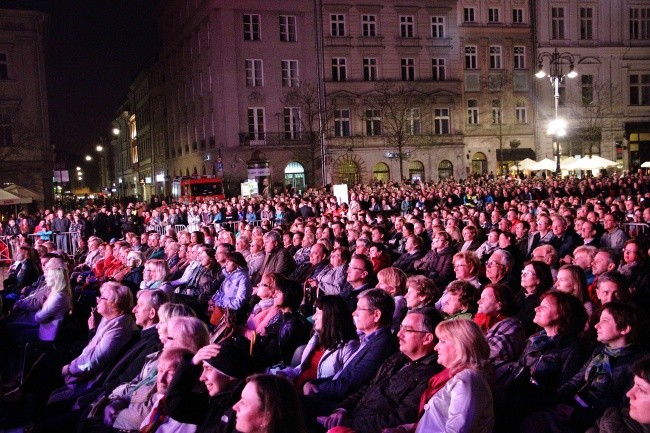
column 7, row 198
column 24, row 192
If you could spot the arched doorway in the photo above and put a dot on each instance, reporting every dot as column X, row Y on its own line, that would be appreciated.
column 445, row 169
column 294, row 175
column 416, row 170
column 479, row 163
column 381, row 172
column 349, row 172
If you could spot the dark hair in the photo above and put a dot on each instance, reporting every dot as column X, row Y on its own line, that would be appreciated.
column 614, row 256
column 338, row 326
column 622, row 292
column 380, row 247
column 291, row 290
column 237, row 258
column 367, row 264
column 642, row 368
column 543, row 274
column 571, row 313
column 504, row 295
column 379, row 299
column 467, row 294
column 345, row 254
column 431, row 317
column 626, row 315
column 200, row 236
column 280, row 402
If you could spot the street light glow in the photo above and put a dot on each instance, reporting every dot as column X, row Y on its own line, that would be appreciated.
column 89, row 158
column 557, row 127
column 116, row 131
column 99, row 148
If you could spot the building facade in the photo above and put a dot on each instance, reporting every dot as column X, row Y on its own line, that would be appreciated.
column 607, row 104
column 25, row 149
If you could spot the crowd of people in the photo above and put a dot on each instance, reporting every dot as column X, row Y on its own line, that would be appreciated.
column 485, row 305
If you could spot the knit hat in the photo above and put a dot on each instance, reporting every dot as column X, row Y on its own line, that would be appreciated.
column 233, row 359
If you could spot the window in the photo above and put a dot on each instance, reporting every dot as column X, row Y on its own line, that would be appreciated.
column 639, row 23
column 256, row 123
column 586, row 23
column 406, row 26
column 6, row 131
column 496, row 112
column 519, row 57
column 4, row 67
column 369, row 69
column 517, row 16
column 557, row 23
column 438, row 69
column 414, row 122
column 587, row 87
column 288, row 28
column 437, row 27
column 469, row 15
column 290, row 73
column 493, row 15
column 408, row 69
column 521, row 113
column 373, row 122
column 381, row 172
column 251, row 27
column 472, row 112
column 254, row 73
column 337, row 25
column 470, row 57
column 291, row 123
column 369, row 26
column 339, row 70
column 495, row 57
column 441, row 121
column 640, row 89
column 342, row 123
column 445, row 169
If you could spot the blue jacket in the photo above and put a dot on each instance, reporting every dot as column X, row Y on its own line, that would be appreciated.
column 360, row 368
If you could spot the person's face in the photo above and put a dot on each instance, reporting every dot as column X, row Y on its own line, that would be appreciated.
column 462, row 269
column 249, row 410
column 564, row 282
column 365, row 318
column 373, row 253
column 256, row 246
column 205, row 258
column 297, row 241
column 639, row 397
column 452, row 305
column 104, row 306
column 543, row 224
column 153, row 241
column 231, row 266
column 413, row 298
column 265, row 289
column 335, row 259
column 446, row 352
column 269, row 245
column 630, row 253
column 606, row 292
column 546, row 314
column 609, row 222
column 409, row 246
column 607, row 332
column 278, row 298
column 503, row 241
column 468, row 236
column 147, row 273
column 316, row 255
column 214, row 381
column 318, row 320
column 356, row 271
column 376, row 236
column 411, row 335
column 493, row 237
column 142, row 311
column 529, row 278
column 520, row 230
column 494, row 270
column 173, row 339
column 601, row 264
column 582, row 259
column 221, row 254
column 558, row 228
column 166, row 371
column 487, row 303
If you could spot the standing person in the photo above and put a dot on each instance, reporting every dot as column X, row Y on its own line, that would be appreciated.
column 60, row 227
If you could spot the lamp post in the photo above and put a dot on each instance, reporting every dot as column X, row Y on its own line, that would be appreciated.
column 556, row 75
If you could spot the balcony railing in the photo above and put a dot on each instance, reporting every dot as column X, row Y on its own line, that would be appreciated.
column 274, row 139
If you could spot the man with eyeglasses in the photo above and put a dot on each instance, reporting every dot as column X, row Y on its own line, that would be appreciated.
column 498, row 269
column 360, row 275
column 614, row 237
column 393, row 396
column 544, row 234
column 372, row 317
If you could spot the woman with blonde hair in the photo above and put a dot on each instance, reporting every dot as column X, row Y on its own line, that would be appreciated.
column 458, row 398
column 571, row 279
column 393, row 281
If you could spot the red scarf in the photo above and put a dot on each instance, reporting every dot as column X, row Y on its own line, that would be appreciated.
column 435, row 384
column 486, row 321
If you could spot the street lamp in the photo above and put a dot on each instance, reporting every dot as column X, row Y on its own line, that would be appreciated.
column 556, row 61
column 88, row 158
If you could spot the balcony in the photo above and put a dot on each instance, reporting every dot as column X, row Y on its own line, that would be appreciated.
column 275, row 139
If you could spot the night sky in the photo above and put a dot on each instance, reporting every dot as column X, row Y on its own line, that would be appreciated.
column 94, row 50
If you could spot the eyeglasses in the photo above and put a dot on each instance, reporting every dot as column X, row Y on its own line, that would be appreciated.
column 100, row 298
column 456, row 265
column 405, row 329
column 630, row 251
column 365, row 309
column 491, row 263
column 357, row 269
column 529, row 273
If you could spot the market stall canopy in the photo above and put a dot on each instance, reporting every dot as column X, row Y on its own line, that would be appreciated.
column 23, row 192
column 544, row 164
column 593, row 163
column 646, row 164
column 522, row 165
column 7, row 198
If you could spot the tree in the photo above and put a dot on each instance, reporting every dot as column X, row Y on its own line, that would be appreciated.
column 598, row 103
column 314, row 118
column 401, row 106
